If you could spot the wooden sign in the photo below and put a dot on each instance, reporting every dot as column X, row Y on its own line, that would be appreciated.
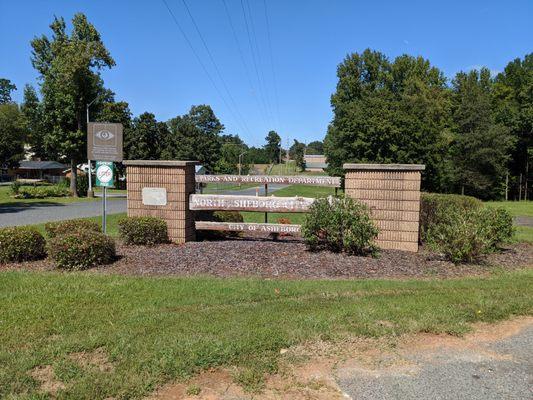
column 331, row 181
column 248, row 227
column 249, row 203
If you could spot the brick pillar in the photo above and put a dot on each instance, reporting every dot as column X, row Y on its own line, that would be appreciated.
column 161, row 189
column 392, row 191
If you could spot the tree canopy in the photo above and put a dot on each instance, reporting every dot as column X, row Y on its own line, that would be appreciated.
column 6, row 87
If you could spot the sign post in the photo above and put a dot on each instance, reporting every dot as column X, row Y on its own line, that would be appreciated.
column 104, row 179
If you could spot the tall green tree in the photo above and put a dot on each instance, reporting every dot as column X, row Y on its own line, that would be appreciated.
column 12, row 129
column 69, row 65
column 315, row 147
column 481, row 150
column 32, row 109
column 513, row 100
column 273, row 147
column 296, row 152
column 6, row 87
column 145, row 139
column 233, row 156
column 195, row 136
column 390, row 112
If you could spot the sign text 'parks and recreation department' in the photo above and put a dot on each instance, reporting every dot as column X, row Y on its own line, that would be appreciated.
column 332, row 181
column 249, row 203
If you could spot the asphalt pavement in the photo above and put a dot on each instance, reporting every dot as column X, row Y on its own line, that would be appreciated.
column 490, row 371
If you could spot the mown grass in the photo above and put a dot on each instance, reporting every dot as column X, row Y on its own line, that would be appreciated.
column 155, row 330
column 112, row 224
column 516, row 208
column 524, row 234
column 6, row 199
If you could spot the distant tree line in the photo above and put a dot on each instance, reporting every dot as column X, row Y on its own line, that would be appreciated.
column 475, row 135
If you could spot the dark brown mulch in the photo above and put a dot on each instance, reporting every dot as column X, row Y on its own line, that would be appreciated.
column 290, row 259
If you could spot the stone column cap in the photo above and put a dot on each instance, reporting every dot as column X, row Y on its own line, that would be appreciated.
column 160, row 163
column 385, row 167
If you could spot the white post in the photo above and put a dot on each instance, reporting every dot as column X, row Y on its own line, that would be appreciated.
column 90, row 189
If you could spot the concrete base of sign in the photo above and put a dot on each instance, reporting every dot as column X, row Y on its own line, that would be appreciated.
column 176, row 178
column 392, row 191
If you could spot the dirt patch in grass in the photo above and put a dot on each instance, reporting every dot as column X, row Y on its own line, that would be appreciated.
column 290, row 259
column 93, row 359
column 46, row 377
column 311, row 370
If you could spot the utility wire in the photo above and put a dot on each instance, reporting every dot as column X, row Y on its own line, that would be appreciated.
column 210, row 78
column 215, row 65
column 254, row 61
column 241, row 55
column 276, row 98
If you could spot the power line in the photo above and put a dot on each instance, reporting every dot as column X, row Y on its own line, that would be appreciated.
column 258, row 52
column 276, row 98
column 254, row 61
column 215, row 65
column 210, row 78
column 241, row 55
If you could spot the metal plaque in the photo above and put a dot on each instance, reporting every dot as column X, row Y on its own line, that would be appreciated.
column 104, row 141
column 154, row 196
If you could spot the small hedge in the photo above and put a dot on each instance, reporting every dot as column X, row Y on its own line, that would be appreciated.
column 435, row 205
column 54, row 229
column 143, row 230
column 340, row 224
column 463, row 235
column 41, row 192
column 82, row 249
column 19, row 244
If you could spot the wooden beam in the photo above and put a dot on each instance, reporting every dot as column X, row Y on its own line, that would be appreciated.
column 249, row 203
column 330, row 181
column 248, row 227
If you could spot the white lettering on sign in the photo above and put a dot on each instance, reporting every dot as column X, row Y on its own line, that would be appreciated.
column 250, row 203
column 154, row 196
column 332, row 181
column 248, row 227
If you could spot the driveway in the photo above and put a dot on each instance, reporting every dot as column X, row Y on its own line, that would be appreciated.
column 36, row 213
column 476, row 368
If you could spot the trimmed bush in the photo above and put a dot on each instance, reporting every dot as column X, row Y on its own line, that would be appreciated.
column 434, row 205
column 19, row 244
column 41, row 192
column 465, row 235
column 227, row 216
column 143, row 230
column 82, row 249
column 59, row 228
column 340, row 224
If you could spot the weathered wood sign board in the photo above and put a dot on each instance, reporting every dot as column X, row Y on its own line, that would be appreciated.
column 248, row 227
column 331, row 181
column 249, row 203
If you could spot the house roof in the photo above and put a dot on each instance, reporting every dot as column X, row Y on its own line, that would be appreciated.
column 316, row 165
column 41, row 165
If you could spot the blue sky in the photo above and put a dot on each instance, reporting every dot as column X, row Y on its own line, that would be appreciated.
column 157, row 71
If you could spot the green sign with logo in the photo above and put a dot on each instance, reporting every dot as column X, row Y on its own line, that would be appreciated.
column 105, row 172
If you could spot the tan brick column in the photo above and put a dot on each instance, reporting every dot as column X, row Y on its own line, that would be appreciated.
column 392, row 191
column 162, row 189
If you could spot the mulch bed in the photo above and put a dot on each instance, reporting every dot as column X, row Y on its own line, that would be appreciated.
column 290, row 259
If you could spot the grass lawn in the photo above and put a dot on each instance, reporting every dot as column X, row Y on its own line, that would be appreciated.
column 213, row 187
column 112, row 226
column 155, row 330
column 7, row 200
column 516, row 208
column 524, row 234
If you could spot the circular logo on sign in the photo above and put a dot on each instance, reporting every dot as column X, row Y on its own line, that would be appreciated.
column 104, row 173
column 104, row 135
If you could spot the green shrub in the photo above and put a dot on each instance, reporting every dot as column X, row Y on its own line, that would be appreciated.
column 58, row 228
column 498, row 224
column 228, row 216
column 82, row 249
column 433, row 205
column 465, row 235
column 21, row 244
column 143, row 230
column 41, row 192
column 340, row 224
column 14, row 188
